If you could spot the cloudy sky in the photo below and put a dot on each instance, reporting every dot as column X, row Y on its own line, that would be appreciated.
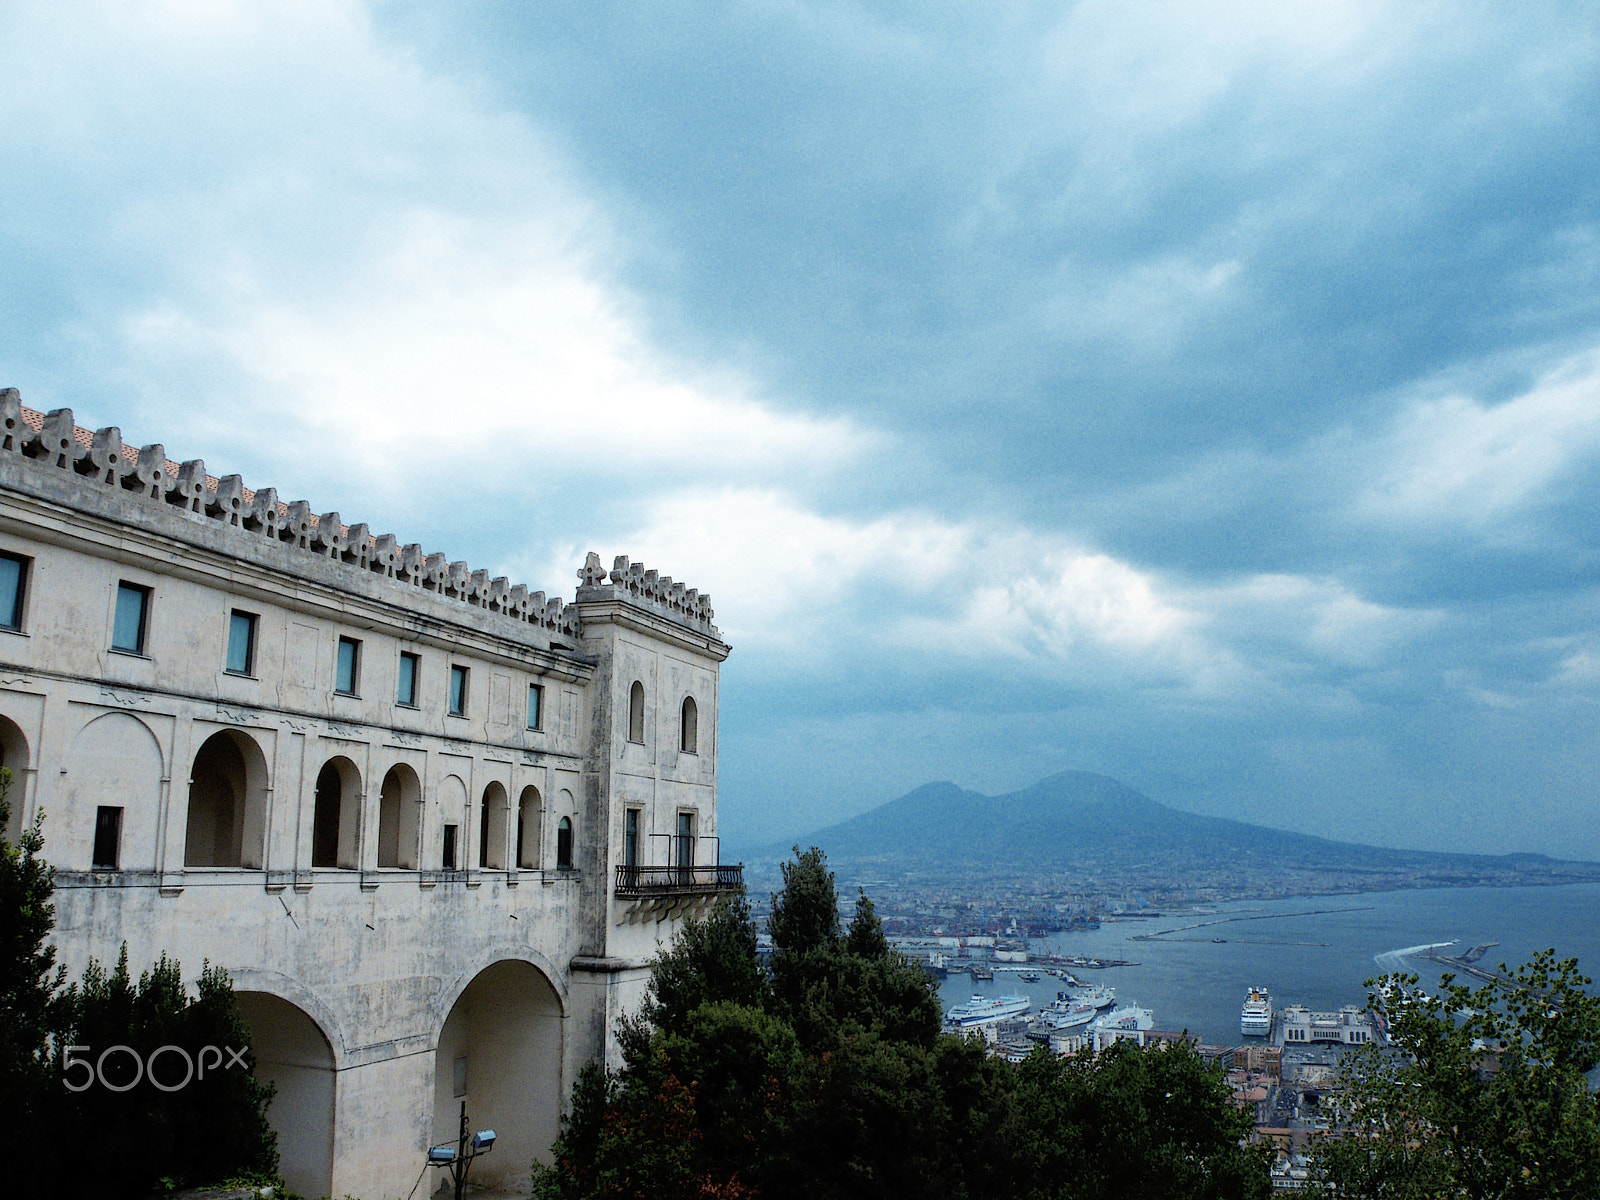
column 1202, row 393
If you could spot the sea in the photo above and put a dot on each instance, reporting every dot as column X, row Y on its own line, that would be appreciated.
column 1312, row 950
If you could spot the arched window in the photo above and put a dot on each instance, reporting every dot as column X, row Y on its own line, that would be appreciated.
column 399, row 817
column 336, row 815
column 14, row 758
column 492, row 828
column 689, row 727
column 636, row 712
column 564, row 845
column 529, row 828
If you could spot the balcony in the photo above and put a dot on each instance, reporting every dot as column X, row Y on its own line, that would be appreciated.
column 635, row 882
column 658, row 893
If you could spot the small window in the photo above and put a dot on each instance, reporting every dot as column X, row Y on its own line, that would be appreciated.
column 689, row 727
column 406, row 692
column 347, row 674
column 450, row 847
column 13, row 587
column 636, row 713
column 107, row 838
column 133, row 612
column 458, row 691
column 564, row 844
column 535, row 706
column 241, row 643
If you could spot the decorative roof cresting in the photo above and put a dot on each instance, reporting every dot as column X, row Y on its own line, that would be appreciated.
column 54, row 441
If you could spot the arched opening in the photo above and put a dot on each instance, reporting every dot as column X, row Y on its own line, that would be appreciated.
column 293, row 1055
column 530, row 828
column 452, row 814
column 492, row 828
column 564, row 845
column 500, row 1052
column 113, row 777
column 399, row 818
column 336, row 815
column 14, row 758
column 689, row 727
column 227, row 803
column 636, row 712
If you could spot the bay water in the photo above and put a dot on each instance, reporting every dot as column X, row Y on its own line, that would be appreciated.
column 1310, row 950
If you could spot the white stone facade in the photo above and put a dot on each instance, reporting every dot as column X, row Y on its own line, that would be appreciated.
column 434, row 826
column 1350, row 1026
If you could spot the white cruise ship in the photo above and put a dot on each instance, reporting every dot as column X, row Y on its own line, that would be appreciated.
column 986, row 1010
column 1255, row 1018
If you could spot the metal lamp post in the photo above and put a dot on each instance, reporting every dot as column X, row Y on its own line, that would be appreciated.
column 458, row 1158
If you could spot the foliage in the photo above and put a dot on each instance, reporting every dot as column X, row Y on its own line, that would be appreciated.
column 121, row 1143
column 827, row 1077
column 1483, row 1094
column 210, row 1127
column 30, row 996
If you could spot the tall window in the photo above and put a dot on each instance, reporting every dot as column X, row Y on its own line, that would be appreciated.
column 450, row 847
column 685, row 840
column 347, row 672
column 636, row 712
column 689, row 727
column 564, row 844
column 630, row 838
column 133, row 612
column 535, row 706
column 241, row 643
column 107, row 837
column 13, row 582
column 406, row 691
column 458, row 691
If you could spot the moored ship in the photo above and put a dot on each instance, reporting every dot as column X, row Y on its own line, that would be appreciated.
column 1255, row 1017
column 986, row 1010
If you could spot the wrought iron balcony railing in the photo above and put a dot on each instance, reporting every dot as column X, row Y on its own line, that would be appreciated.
column 668, row 881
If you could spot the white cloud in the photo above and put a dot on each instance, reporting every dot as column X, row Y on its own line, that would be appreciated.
column 1456, row 461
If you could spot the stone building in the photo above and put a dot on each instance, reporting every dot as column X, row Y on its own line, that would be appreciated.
column 435, row 826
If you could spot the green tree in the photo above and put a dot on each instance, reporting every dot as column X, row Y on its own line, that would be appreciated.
column 185, row 1116
column 30, row 999
column 1482, row 1094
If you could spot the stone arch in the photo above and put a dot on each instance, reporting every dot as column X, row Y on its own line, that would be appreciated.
column 399, row 818
column 636, row 712
column 499, row 1051
column 294, row 1053
column 115, row 762
column 227, row 809
column 14, row 758
column 689, row 727
column 530, row 829
column 492, row 821
column 336, row 815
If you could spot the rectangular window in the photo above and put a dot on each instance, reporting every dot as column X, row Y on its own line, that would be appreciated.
column 107, row 837
column 406, row 693
column 241, row 643
column 13, row 583
column 630, row 839
column 458, row 691
column 535, row 706
column 450, row 847
column 133, row 613
column 348, row 674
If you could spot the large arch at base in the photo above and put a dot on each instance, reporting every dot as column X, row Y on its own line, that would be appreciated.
column 293, row 1054
column 500, row 1052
